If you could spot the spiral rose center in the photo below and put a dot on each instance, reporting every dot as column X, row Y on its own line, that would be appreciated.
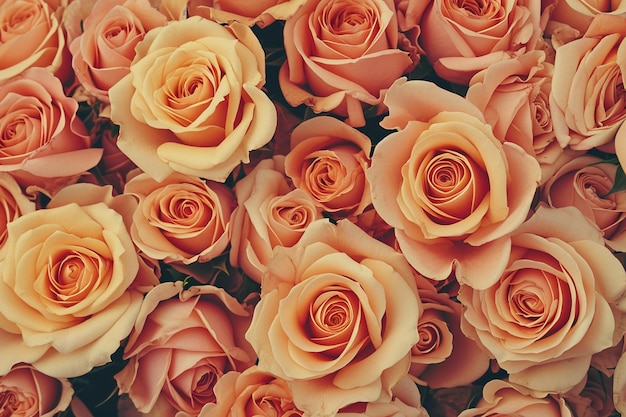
column 332, row 313
column 74, row 274
column 19, row 19
column 429, row 338
column 480, row 8
column 9, row 403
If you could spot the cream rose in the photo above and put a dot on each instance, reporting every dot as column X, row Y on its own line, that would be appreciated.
column 450, row 188
column 587, row 101
column 504, row 398
column 192, row 102
column 328, row 160
column 43, row 141
column 25, row 391
column 342, row 56
column 463, row 38
column 31, row 37
column 584, row 183
column 269, row 213
column 259, row 12
column 190, row 338
column 337, row 318
column 69, row 283
column 183, row 219
column 103, row 52
column 559, row 301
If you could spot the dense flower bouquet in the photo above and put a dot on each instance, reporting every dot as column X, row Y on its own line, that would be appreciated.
column 312, row 207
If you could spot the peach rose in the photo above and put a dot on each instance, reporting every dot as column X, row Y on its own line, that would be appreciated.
column 258, row 12
column 585, row 183
column 102, row 54
column 328, row 159
column 25, row 391
column 31, row 37
column 559, row 302
column 594, row 396
column 342, row 56
column 595, row 7
column 337, row 318
column 14, row 204
column 78, row 293
column 183, row 342
column 43, row 142
column 504, row 398
column 251, row 393
column 588, row 103
column 514, row 96
column 269, row 213
column 444, row 357
column 183, row 219
column 463, row 38
column 450, row 188
column 192, row 102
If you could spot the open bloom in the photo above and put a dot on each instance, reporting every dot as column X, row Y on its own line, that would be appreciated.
column 70, row 283
column 560, row 300
column 337, row 318
column 450, row 188
column 192, row 102
column 342, row 56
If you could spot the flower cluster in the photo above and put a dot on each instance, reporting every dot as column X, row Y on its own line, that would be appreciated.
column 316, row 208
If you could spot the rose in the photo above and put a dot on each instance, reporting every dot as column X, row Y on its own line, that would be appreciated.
column 269, row 213
column 584, row 183
column 43, row 142
column 251, row 393
column 328, row 160
column 462, row 38
column 595, row 7
column 31, row 37
column 504, row 398
column 25, row 391
column 514, row 96
column 181, row 220
column 559, row 302
column 192, row 102
column 341, row 56
column 444, row 356
column 102, row 54
column 70, row 283
column 588, row 116
column 447, row 185
column 14, row 204
column 593, row 396
column 190, row 338
column 337, row 318
column 261, row 12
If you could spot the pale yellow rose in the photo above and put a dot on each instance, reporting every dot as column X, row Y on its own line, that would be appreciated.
column 192, row 102
column 450, row 188
column 70, row 283
column 560, row 300
column 337, row 318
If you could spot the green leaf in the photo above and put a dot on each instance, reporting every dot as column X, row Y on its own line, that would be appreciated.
column 619, row 184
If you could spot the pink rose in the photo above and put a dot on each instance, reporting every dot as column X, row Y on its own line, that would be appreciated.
column 31, row 37
column 342, row 56
column 70, row 282
column 559, row 301
column 259, row 12
column 584, row 183
column 463, row 38
column 504, row 398
column 44, row 143
column 450, row 188
column 182, row 220
column 337, row 318
column 183, row 342
column 587, row 102
column 14, row 204
column 192, row 102
column 103, row 52
column 514, row 96
column 251, row 393
column 444, row 357
column 328, row 160
column 25, row 391
column 269, row 213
